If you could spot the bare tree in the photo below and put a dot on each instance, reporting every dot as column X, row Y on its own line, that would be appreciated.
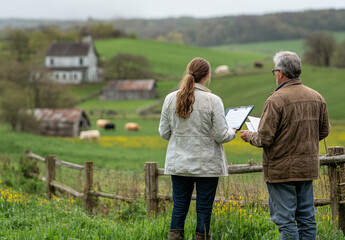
column 320, row 49
column 339, row 58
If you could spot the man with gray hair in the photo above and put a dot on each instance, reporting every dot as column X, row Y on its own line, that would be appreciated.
column 293, row 121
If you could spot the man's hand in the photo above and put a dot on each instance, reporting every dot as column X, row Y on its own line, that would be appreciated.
column 244, row 135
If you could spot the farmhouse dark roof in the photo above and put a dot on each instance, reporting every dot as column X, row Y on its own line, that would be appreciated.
column 68, row 49
column 57, row 115
column 68, row 68
column 132, row 85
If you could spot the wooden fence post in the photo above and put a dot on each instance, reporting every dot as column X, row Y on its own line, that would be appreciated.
column 151, row 182
column 50, row 175
column 88, row 183
column 336, row 176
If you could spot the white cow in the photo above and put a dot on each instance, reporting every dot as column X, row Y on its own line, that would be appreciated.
column 102, row 122
column 221, row 69
column 90, row 135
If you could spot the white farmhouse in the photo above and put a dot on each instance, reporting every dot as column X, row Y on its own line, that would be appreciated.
column 73, row 62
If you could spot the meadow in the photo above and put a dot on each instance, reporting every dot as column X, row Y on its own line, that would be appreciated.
column 269, row 48
column 119, row 157
column 171, row 59
column 25, row 216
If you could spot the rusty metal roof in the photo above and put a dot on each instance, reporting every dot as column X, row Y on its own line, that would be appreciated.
column 56, row 115
column 133, row 85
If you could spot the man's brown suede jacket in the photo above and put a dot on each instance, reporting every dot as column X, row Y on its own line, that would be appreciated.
column 293, row 121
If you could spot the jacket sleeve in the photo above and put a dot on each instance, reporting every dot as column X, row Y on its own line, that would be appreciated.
column 221, row 132
column 268, row 126
column 325, row 126
column 164, row 125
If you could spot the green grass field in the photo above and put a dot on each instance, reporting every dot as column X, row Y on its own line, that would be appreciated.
column 169, row 58
column 269, row 48
column 256, row 88
column 250, row 86
column 123, row 108
column 25, row 216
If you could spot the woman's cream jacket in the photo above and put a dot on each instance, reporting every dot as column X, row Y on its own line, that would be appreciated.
column 195, row 143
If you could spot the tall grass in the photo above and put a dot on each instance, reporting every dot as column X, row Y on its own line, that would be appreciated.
column 25, row 216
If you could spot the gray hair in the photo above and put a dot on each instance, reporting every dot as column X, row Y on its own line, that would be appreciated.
column 289, row 63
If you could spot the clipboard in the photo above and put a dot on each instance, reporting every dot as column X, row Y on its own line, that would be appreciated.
column 236, row 116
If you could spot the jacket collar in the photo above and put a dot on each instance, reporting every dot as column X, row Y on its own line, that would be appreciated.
column 201, row 87
column 294, row 81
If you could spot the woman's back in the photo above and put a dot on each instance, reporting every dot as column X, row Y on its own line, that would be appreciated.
column 195, row 143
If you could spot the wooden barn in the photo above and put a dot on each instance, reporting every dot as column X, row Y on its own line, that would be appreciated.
column 60, row 122
column 129, row 90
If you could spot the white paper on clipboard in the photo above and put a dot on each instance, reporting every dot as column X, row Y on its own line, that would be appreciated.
column 250, row 127
column 254, row 121
column 235, row 117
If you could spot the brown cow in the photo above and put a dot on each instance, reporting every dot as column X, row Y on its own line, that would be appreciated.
column 132, row 127
column 258, row 64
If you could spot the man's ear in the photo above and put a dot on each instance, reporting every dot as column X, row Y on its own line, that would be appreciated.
column 281, row 74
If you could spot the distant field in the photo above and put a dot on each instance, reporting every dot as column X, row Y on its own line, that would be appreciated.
column 256, row 88
column 123, row 108
column 271, row 47
column 80, row 91
column 251, row 86
column 169, row 58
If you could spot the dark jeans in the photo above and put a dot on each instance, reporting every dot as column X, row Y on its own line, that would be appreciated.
column 291, row 207
column 182, row 192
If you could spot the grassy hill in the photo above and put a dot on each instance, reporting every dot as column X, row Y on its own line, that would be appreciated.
column 271, row 47
column 245, row 85
column 169, row 58
column 256, row 88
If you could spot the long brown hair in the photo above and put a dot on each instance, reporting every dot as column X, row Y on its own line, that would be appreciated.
column 196, row 71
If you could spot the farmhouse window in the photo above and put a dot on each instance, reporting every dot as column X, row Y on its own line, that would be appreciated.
column 57, row 76
column 51, row 61
column 81, row 61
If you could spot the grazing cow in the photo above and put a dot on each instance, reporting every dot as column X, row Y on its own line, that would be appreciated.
column 258, row 64
column 221, row 69
column 90, row 135
column 102, row 122
column 109, row 126
column 132, row 127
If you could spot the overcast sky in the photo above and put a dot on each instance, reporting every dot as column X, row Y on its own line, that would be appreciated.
column 110, row 9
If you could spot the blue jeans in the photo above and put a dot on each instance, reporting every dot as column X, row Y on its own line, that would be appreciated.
column 291, row 206
column 182, row 192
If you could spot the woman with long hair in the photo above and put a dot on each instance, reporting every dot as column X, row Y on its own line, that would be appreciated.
column 193, row 122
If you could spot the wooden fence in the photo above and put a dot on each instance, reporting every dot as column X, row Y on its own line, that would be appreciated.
column 334, row 160
column 88, row 193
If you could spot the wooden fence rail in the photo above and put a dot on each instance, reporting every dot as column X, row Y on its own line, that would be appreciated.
column 51, row 184
column 334, row 160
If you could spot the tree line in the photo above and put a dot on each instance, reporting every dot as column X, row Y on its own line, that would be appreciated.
column 207, row 31
column 237, row 29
